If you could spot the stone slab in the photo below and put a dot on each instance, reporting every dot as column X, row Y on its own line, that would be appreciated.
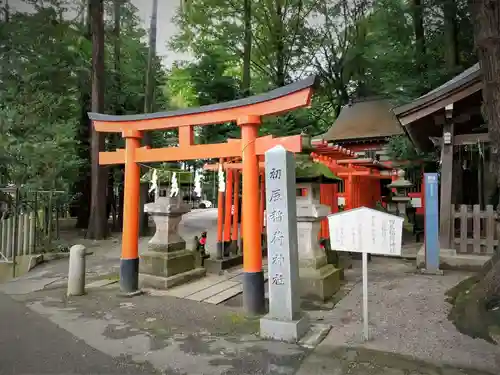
column 211, row 291
column 182, row 291
column 284, row 330
column 225, row 295
column 451, row 260
column 100, row 283
column 315, row 334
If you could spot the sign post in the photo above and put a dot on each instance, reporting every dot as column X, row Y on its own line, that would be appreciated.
column 431, row 219
column 364, row 230
column 285, row 321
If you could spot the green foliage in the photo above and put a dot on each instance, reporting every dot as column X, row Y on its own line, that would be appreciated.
column 401, row 149
column 307, row 169
column 205, row 82
column 39, row 100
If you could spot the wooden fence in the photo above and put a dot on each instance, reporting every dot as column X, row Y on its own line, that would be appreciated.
column 475, row 230
column 17, row 236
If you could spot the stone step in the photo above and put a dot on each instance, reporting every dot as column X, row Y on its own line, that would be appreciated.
column 182, row 291
column 211, row 291
column 225, row 295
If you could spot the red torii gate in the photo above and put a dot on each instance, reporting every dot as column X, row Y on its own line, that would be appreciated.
column 247, row 113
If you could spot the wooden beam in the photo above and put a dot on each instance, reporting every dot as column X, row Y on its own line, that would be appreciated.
column 226, row 166
column 471, row 139
column 440, row 104
column 205, row 151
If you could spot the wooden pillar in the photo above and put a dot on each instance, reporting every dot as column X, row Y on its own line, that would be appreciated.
column 227, row 210
column 348, row 190
column 253, row 277
column 445, row 214
column 262, row 202
column 236, row 215
column 220, row 219
column 129, row 261
column 335, row 198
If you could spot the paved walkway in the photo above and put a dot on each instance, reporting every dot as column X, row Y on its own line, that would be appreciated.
column 30, row 344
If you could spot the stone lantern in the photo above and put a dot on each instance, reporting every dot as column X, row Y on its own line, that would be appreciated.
column 318, row 279
column 167, row 262
column 399, row 200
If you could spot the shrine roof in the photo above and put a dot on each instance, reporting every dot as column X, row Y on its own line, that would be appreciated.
column 369, row 118
column 458, row 83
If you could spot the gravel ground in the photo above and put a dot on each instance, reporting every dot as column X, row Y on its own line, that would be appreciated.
column 408, row 316
column 361, row 361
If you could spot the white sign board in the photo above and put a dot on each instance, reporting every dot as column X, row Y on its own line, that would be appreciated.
column 366, row 230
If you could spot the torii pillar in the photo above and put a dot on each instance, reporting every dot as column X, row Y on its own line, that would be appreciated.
column 253, row 279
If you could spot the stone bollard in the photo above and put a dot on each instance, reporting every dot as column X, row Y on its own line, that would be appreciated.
column 76, row 274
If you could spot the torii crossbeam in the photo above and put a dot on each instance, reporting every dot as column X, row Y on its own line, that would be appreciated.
column 247, row 114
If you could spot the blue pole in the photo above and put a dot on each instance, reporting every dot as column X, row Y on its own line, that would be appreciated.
column 431, row 222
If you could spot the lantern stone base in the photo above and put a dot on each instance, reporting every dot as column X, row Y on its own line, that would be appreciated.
column 284, row 330
column 217, row 266
column 162, row 270
column 320, row 283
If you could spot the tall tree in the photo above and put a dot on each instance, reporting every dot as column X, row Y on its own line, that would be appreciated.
column 84, row 182
column 474, row 313
column 98, row 222
column 247, row 48
column 451, row 34
column 148, row 105
column 420, row 53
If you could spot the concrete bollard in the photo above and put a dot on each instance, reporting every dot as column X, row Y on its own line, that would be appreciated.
column 76, row 273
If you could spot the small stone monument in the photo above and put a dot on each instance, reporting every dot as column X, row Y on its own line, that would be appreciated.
column 167, row 262
column 318, row 279
column 285, row 321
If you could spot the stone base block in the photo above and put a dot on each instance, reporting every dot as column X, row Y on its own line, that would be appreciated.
column 320, row 284
column 159, row 282
column 288, row 331
column 176, row 246
column 218, row 265
column 166, row 264
column 437, row 272
column 449, row 259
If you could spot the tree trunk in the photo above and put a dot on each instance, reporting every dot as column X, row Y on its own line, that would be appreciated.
column 117, row 52
column 450, row 34
column 472, row 313
column 98, row 222
column 117, row 4
column 148, row 108
column 418, row 26
column 280, row 46
column 84, row 183
column 247, row 48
